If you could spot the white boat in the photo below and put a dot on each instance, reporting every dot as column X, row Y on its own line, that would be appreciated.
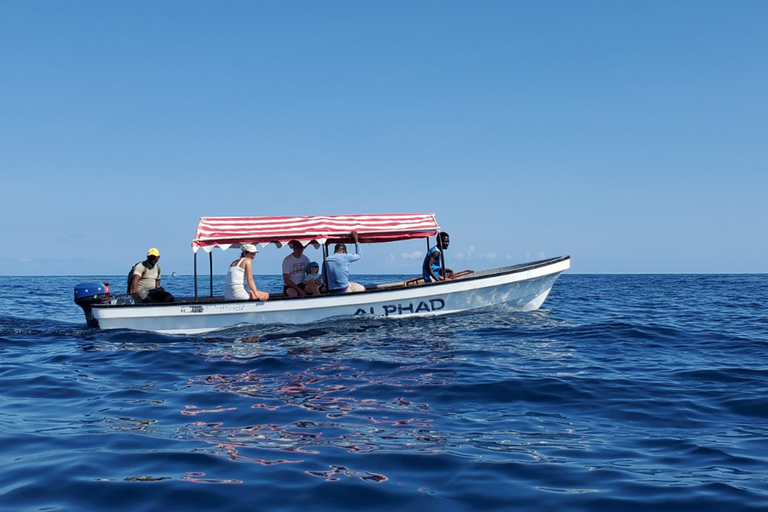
column 522, row 287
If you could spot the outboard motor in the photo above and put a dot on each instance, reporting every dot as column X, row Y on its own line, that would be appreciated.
column 87, row 294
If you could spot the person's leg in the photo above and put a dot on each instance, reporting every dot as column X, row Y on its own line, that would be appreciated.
column 355, row 287
column 159, row 295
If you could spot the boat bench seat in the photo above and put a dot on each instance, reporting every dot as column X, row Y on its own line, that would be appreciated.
column 420, row 280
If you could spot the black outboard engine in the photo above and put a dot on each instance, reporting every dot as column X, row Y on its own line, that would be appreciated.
column 87, row 294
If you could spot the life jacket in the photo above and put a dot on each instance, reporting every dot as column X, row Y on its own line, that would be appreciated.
column 143, row 273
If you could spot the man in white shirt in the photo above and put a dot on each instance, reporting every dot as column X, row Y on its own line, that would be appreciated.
column 295, row 266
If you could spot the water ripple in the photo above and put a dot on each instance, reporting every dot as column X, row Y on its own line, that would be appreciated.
column 624, row 393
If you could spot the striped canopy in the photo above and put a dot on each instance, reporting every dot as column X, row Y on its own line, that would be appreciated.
column 226, row 232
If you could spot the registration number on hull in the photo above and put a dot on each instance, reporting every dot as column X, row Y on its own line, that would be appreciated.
column 222, row 308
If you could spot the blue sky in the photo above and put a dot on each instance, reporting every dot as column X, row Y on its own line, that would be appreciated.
column 630, row 135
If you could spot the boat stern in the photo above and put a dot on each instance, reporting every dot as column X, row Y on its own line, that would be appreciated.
column 88, row 294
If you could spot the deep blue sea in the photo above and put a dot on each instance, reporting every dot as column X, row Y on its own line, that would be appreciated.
column 623, row 393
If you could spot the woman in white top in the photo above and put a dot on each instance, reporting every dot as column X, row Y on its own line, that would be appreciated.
column 240, row 272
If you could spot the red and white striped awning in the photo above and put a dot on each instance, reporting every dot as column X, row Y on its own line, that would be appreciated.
column 226, row 232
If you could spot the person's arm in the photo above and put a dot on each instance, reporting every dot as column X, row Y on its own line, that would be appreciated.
column 291, row 284
column 358, row 253
column 135, row 285
column 254, row 293
column 356, row 256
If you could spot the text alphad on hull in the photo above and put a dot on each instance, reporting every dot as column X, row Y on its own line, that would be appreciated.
column 424, row 306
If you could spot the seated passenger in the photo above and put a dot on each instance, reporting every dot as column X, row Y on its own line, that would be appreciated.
column 239, row 273
column 313, row 275
column 144, row 280
column 337, row 268
column 294, row 267
column 432, row 267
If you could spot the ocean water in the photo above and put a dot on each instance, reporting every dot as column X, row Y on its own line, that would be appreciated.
column 623, row 393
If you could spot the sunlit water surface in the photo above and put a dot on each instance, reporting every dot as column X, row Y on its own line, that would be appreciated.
column 623, row 393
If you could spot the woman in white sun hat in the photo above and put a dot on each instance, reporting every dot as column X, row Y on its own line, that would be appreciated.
column 241, row 272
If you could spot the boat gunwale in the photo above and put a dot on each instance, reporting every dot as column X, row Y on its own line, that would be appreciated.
column 475, row 275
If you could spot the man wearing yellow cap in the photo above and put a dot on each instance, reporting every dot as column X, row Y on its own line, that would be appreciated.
column 145, row 280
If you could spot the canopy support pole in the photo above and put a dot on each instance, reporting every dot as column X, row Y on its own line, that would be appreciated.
column 324, row 268
column 442, row 255
column 195, row 276
column 210, row 261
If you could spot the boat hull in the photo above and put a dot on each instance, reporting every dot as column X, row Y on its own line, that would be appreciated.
column 521, row 287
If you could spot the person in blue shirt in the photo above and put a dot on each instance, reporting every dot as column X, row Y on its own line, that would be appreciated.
column 432, row 268
column 337, row 268
column 313, row 274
